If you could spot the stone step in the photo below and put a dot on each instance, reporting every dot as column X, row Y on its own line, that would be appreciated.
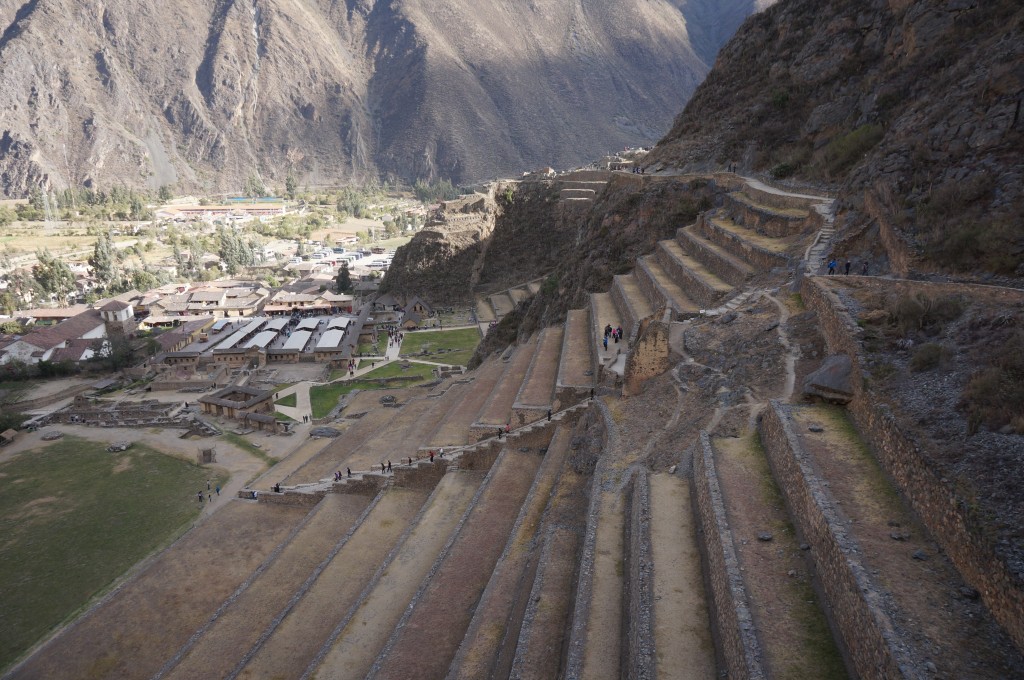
column 300, row 630
column 128, row 634
column 577, row 362
column 876, row 562
column 682, row 628
column 769, row 220
column 663, row 289
column 771, row 613
column 631, row 302
column 758, row 251
column 425, row 640
column 544, row 632
column 490, row 642
column 537, row 393
column 603, row 312
column 237, row 626
column 484, row 311
column 333, row 456
column 519, row 294
column 397, row 439
column 502, row 304
column 453, row 430
column 497, row 410
column 696, row 280
column 353, row 646
column 727, row 267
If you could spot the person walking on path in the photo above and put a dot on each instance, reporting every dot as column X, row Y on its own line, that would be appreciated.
column 847, row 267
column 389, row 466
column 864, row 268
column 348, row 471
column 831, row 267
column 549, row 415
column 200, row 495
column 606, row 343
column 431, row 456
column 218, row 489
column 382, row 468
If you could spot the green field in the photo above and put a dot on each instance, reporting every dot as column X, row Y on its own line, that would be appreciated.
column 73, row 518
column 288, row 401
column 461, row 343
column 323, row 398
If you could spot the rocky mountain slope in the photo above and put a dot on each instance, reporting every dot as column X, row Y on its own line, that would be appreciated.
column 204, row 94
column 911, row 109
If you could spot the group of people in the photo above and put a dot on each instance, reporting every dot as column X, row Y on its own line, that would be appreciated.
column 337, row 475
column 833, row 264
column 208, row 494
column 613, row 333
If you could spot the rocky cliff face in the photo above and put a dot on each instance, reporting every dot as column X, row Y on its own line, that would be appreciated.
column 203, row 94
column 910, row 108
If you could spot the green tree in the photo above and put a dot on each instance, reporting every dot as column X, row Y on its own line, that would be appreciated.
column 344, row 281
column 166, row 192
column 254, row 187
column 53, row 275
column 7, row 216
column 290, row 186
column 11, row 327
column 103, row 260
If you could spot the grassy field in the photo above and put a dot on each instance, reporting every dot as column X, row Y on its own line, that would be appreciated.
column 324, row 397
column 73, row 518
column 289, row 401
column 460, row 343
column 367, row 349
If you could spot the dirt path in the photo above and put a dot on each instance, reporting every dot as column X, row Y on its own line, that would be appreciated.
column 292, row 645
column 682, row 630
column 358, row 643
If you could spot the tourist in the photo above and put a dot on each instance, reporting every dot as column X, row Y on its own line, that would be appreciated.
column 218, row 489
column 382, row 468
column 389, row 466
column 348, row 471
column 864, row 268
column 431, row 456
column 831, row 267
column 549, row 415
column 606, row 343
column 200, row 494
column 847, row 267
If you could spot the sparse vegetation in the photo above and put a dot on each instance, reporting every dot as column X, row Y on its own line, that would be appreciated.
column 928, row 356
column 844, row 151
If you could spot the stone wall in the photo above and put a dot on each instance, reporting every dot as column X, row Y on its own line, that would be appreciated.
column 366, row 485
column 765, row 220
column 630, row 321
column 781, row 201
column 757, row 257
column 713, row 260
column 946, row 515
column 731, row 621
column 852, row 596
column 649, row 356
column 696, row 287
column 291, row 498
column 638, row 633
column 422, row 475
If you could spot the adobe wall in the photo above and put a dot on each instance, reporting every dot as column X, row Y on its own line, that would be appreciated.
column 731, row 621
column 638, row 633
column 854, row 600
column 947, row 516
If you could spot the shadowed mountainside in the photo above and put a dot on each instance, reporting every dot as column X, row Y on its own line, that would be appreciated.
column 205, row 94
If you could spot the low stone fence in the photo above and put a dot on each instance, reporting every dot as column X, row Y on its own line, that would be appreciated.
column 854, row 600
column 41, row 402
column 731, row 620
column 287, row 498
column 947, row 516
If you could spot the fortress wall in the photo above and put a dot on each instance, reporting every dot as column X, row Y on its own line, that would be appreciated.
column 949, row 518
column 732, row 624
column 854, row 602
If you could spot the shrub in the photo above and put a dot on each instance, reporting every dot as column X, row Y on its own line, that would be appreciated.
column 844, row 151
column 994, row 395
column 783, row 170
column 928, row 356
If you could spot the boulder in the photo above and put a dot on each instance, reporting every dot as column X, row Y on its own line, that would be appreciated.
column 832, row 380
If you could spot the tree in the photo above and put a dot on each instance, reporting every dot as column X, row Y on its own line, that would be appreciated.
column 7, row 216
column 11, row 328
column 344, row 281
column 166, row 192
column 53, row 275
column 290, row 186
column 103, row 260
column 254, row 187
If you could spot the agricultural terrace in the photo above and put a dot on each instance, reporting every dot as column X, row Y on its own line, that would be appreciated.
column 74, row 518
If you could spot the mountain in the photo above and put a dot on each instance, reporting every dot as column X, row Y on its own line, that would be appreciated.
column 202, row 94
column 910, row 109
